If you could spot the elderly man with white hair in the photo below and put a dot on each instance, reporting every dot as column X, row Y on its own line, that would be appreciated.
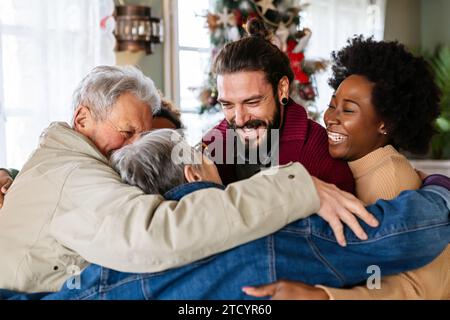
column 68, row 208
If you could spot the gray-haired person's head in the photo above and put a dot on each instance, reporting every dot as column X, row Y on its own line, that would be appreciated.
column 155, row 163
column 101, row 88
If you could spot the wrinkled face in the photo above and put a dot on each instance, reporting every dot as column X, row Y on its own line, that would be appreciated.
column 354, row 128
column 249, row 105
column 126, row 121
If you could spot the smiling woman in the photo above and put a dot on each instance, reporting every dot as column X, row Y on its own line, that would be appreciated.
column 378, row 108
column 394, row 91
column 354, row 127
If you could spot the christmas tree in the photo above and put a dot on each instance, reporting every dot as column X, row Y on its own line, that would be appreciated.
column 227, row 23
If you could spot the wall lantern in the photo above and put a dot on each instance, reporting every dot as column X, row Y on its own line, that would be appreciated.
column 136, row 29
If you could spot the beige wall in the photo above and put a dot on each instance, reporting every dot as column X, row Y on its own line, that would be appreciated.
column 151, row 65
column 418, row 23
column 435, row 23
column 403, row 19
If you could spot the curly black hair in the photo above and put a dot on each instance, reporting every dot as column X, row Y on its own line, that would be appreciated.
column 405, row 95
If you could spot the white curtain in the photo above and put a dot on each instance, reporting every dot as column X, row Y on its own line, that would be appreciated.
column 333, row 22
column 46, row 47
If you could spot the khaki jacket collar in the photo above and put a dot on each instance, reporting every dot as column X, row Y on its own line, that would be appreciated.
column 59, row 135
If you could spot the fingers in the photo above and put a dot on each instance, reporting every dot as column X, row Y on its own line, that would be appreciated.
column 338, row 230
column 1, row 199
column 338, row 207
column 261, row 291
column 360, row 211
column 349, row 219
column 355, row 207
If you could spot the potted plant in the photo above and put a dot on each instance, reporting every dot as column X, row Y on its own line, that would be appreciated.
column 440, row 145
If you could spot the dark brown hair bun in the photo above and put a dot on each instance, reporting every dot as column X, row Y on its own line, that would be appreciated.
column 256, row 28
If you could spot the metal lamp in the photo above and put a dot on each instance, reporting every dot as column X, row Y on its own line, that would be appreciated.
column 136, row 29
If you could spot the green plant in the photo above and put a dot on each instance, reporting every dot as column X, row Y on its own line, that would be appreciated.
column 440, row 63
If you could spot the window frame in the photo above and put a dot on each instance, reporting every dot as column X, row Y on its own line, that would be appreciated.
column 174, row 88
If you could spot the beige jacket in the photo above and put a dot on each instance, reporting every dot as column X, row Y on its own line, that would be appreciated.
column 67, row 207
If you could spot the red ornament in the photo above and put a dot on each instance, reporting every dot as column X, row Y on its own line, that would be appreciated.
column 307, row 92
column 239, row 17
column 251, row 16
column 297, row 62
column 103, row 22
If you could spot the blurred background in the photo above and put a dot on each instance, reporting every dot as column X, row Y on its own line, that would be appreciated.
column 47, row 46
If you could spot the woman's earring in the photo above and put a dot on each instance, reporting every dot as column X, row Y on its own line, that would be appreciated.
column 284, row 101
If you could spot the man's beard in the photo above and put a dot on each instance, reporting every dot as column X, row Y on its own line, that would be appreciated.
column 251, row 147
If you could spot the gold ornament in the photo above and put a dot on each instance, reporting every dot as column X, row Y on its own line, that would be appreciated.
column 266, row 5
column 212, row 21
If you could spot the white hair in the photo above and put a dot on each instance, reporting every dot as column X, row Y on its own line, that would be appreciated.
column 103, row 85
column 154, row 162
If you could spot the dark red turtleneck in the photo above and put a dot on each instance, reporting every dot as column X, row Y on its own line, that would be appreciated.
column 301, row 140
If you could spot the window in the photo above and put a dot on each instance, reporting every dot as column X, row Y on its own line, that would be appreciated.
column 194, row 53
column 46, row 47
column 333, row 22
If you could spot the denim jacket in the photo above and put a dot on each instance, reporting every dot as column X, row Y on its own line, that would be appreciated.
column 180, row 191
column 414, row 229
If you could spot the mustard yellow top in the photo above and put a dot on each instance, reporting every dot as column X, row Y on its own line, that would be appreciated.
column 384, row 174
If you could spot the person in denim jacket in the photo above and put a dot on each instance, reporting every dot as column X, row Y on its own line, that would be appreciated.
column 413, row 230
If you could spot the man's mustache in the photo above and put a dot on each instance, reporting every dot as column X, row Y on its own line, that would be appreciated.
column 251, row 124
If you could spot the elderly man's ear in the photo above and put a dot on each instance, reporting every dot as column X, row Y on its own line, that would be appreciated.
column 192, row 174
column 83, row 120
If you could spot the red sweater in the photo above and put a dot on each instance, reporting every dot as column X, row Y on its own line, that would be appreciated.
column 301, row 140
